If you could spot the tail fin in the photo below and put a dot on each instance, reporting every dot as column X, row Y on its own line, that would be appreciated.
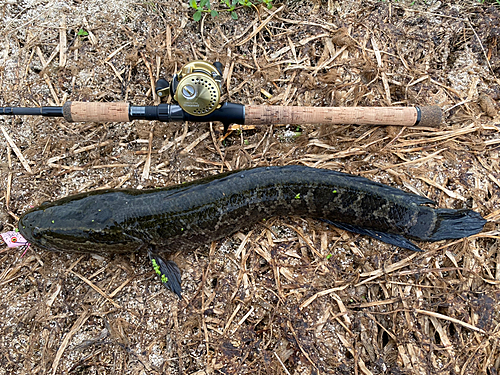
column 452, row 224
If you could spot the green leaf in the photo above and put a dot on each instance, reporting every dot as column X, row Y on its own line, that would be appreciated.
column 269, row 5
column 234, row 16
column 197, row 15
column 214, row 13
column 192, row 4
column 82, row 32
column 203, row 3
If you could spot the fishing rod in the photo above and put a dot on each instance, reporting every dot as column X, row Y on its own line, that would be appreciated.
column 195, row 94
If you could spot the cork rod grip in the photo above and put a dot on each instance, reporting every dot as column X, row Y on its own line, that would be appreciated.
column 97, row 112
column 403, row 116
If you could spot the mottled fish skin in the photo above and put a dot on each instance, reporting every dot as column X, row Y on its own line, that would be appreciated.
column 189, row 215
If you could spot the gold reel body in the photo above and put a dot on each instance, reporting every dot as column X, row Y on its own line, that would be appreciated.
column 198, row 88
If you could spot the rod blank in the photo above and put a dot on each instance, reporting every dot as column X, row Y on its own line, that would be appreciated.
column 36, row 111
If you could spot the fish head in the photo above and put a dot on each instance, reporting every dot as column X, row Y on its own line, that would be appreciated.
column 80, row 224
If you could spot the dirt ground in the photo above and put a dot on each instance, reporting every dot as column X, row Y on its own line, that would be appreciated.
column 294, row 296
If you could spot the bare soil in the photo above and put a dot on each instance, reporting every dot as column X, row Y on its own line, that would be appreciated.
column 293, row 296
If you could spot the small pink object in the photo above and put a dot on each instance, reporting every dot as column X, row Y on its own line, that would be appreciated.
column 13, row 239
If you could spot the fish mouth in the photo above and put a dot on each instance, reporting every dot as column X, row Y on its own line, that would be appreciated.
column 25, row 232
column 33, row 235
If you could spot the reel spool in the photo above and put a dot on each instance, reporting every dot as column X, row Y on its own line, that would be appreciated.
column 196, row 88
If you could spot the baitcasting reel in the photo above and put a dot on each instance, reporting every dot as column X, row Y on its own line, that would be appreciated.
column 196, row 88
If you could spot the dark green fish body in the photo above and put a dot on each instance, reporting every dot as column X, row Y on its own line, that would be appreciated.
column 188, row 215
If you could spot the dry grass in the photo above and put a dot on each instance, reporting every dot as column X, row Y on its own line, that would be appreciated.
column 292, row 296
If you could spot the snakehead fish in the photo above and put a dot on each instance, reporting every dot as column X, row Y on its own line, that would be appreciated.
column 188, row 215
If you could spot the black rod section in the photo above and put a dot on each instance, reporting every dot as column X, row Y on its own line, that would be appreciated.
column 36, row 111
column 228, row 113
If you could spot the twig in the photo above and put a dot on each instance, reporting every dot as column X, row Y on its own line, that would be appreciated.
column 442, row 188
column 290, row 326
column 416, row 161
column 168, row 41
column 63, row 43
column 260, row 27
column 281, row 363
column 147, row 164
column 18, row 153
column 96, row 288
column 64, row 344
column 482, row 49
column 195, row 143
column 9, row 178
column 453, row 320
column 322, row 293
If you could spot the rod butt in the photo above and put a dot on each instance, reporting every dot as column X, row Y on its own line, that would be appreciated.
column 430, row 116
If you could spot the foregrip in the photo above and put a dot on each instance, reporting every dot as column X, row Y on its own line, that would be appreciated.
column 402, row 116
column 96, row 111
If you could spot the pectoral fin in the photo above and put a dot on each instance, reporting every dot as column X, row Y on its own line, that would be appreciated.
column 392, row 239
column 169, row 272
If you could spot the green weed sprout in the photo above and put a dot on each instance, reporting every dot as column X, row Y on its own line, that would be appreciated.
column 204, row 6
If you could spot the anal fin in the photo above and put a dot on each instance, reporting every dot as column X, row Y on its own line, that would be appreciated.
column 390, row 238
column 169, row 272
